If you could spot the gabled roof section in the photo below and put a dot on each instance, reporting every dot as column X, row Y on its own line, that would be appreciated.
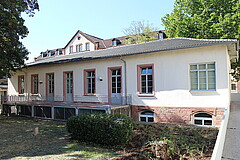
column 141, row 48
column 89, row 37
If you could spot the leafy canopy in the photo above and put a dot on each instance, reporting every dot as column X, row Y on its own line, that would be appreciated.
column 12, row 28
column 139, row 32
column 204, row 19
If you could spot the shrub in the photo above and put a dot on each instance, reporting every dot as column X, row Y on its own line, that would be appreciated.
column 104, row 129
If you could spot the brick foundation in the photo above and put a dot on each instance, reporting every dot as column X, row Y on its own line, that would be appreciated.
column 178, row 115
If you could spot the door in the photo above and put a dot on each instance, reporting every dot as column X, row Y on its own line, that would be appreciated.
column 68, row 86
column 115, row 86
column 50, row 87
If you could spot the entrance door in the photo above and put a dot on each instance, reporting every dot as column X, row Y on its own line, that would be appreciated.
column 115, row 86
column 68, row 86
column 50, row 87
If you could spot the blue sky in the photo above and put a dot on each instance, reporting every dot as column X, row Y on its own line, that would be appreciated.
column 58, row 20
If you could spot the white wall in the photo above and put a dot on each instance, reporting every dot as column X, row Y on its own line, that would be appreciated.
column 171, row 77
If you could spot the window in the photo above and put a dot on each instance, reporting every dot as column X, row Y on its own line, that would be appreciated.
column 21, row 84
column 160, row 35
column 89, row 82
column 34, row 83
column 203, row 76
column 79, row 38
column 79, row 48
column 87, row 46
column 203, row 119
column 147, row 116
column 234, row 87
column 114, row 43
column 71, row 49
column 145, row 79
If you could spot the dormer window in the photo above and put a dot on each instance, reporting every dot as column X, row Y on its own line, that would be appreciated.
column 115, row 42
column 160, row 35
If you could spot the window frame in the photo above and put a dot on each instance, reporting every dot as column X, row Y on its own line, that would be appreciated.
column 33, row 84
column 21, row 89
column 206, row 70
column 78, row 48
column 87, row 46
column 146, row 116
column 71, row 49
column 139, row 81
column 203, row 119
column 86, row 71
column 47, row 83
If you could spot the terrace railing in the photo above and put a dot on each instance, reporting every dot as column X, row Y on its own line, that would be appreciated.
column 118, row 100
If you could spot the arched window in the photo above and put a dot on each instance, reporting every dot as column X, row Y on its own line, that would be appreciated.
column 203, row 119
column 147, row 116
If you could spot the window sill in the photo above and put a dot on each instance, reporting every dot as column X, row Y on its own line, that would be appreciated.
column 21, row 94
column 203, row 91
column 145, row 95
column 90, row 94
column 34, row 94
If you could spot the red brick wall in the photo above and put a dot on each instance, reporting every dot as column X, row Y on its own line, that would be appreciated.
column 179, row 115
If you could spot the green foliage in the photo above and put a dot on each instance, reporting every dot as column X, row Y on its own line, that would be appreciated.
column 204, row 19
column 182, row 141
column 104, row 129
column 12, row 28
column 139, row 32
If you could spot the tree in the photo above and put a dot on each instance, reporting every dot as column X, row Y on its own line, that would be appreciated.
column 203, row 19
column 139, row 32
column 12, row 28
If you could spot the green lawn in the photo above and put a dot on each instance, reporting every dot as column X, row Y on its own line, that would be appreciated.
column 18, row 142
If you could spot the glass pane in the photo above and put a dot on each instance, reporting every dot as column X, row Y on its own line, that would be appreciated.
column 113, row 90
column 202, row 74
column 234, row 87
column 193, row 67
column 150, row 119
column 202, row 66
column 143, row 90
column 143, row 119
column 202, row 86
column 149, row 77
column 208, row 122
column 113, row 72
column 203, row 115
column 211, row 86
column 194, row 87
column 118, row 90
column 198, row 122
column 147, row 113
column 193, row 74
column 149, row 89
column 150, row 70
column 211, row 66
column 144, row 71
column 211, row 73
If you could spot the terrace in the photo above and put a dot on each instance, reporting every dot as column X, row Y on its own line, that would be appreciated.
column 56, row 108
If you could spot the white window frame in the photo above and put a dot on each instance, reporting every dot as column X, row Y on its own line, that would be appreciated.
column 146, row 116
column 87, row 46
column 203, row 119
column 207, row 78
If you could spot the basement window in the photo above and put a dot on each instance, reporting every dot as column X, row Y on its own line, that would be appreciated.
column 203, row 119
column 147, row 116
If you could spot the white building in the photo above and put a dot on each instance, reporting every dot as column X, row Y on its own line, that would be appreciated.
column 177, row 80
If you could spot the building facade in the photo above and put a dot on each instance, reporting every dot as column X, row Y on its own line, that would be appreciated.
column 177, row 80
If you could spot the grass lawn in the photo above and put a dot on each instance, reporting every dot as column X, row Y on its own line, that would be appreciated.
column 18, row 142
column 53, row 142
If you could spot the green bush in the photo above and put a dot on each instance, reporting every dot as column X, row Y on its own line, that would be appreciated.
column 104, row 129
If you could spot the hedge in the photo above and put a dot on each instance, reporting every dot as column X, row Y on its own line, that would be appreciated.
column 104, row 129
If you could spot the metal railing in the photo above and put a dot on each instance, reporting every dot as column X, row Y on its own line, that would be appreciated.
column 118, row 100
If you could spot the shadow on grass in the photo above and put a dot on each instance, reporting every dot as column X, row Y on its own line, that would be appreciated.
column 17, row 141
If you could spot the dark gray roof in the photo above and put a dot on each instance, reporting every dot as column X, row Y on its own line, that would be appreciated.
column 153, row 46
